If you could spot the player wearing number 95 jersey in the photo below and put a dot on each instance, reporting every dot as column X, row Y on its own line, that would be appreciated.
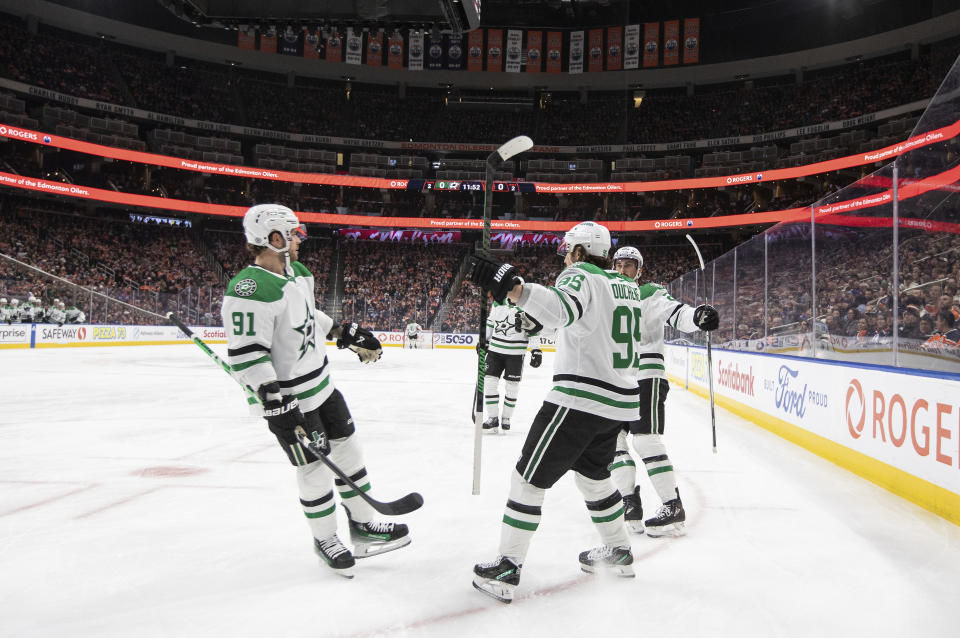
column 276, row 346
column 597, row 314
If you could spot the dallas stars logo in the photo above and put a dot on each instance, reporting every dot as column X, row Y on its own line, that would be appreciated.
column 503, row 326
column 306, row 330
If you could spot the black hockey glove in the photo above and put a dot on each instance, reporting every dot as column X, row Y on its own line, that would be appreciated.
column 361, row 341
column 281, row 412
column 536, row 357
column 706, row 318
column 493, row 275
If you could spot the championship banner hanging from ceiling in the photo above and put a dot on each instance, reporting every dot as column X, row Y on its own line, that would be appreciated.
column 290, row 42
column 691, row 40
column 334, row 47
column 455, row 52
column 415, row 55
column 268, row 40
column 554, row 51
column 595, row 59
column 475, row 50
column 436, row 52
column 311, row 42
column 354, row 46
column 631, row 46
column 534, row 51
column 395, row 52
column 614, row 48
column 375, row 48
column 247, row 37
column 671, row 42
column 576, row 52
column 651, row 44
column 514, row 50
column 494, row 49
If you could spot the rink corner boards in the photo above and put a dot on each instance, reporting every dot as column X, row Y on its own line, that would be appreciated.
column 898, row 428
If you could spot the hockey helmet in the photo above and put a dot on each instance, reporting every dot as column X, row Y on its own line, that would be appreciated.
column 594, row 237
column 14, row 302
column 629, row 252
column 3, row 300
column 263, row 219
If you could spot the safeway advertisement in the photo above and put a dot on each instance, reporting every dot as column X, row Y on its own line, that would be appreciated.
column 908, row 421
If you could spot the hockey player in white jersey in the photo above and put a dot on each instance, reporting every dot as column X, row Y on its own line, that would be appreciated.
column 276, row 346
column 28, row 309
column 659, row 310
column 55, row 313
column 596, row 312
column 74, row 314
column 508, row 334
column 413, row 334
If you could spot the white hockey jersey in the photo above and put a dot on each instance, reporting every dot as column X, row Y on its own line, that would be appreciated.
column 503, row 336
column 659, row 310
column 275, row 333
column 414, row 329
column 598, row 317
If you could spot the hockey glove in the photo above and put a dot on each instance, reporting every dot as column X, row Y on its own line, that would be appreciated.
column 536, row 358
column 361, row 341
column 494, row 276
column 706, row 318
column 281, row 412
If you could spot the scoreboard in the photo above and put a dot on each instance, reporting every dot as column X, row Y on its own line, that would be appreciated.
column 461, row 185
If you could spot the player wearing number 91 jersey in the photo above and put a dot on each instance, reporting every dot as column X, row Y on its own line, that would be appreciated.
column 597, row 314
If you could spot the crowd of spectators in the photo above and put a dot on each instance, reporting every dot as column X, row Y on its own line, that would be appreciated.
column 390, row 284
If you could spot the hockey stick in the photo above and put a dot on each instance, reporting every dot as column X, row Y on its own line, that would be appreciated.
column 713, row 414
column 517, row 145
column 401, row 506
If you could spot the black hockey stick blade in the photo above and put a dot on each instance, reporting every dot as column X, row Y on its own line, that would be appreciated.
column 409, row 503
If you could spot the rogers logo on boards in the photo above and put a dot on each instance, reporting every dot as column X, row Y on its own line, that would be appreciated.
column 893, row 418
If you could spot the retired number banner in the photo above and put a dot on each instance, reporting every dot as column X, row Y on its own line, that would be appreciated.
column 494, row 49
column 555, row 51
column 671, row 42
column 651, row 44
column 614, row 48
column 514, row 50
column 691, row 40
column 631, row 46
column 534, row 51
column 375, row 48
column 395, row 52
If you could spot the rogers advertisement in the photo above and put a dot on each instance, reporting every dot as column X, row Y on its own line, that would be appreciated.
column 907, row 421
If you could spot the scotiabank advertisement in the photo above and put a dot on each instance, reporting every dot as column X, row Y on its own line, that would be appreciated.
column 908, row 421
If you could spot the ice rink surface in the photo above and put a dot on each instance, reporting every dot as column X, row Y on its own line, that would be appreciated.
column 138, row 498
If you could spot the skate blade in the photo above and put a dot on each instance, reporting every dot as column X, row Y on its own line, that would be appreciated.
column 502, row 592
column 672, row 530
column 343, row 573
column 635, row 527
column 366, row 550
column 621, row 571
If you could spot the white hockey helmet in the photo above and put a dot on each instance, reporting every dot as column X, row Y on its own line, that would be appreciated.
column 263, row 219
column 14, row 302
column 594, row 237
column 3, row 300
column 629, row 252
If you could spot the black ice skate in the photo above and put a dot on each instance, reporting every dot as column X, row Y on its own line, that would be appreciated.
column 334, row 554
column 619, row 560
column 505, row 425
column 669, row 520
column 370, row 539
column 633, row 512
column 492, row 423
column 497, row 579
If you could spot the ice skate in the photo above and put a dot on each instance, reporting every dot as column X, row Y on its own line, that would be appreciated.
column 497, row 579
column 619, row 560
column 633, row 512
column 669, row 520
column 492, row 423
column 335, row 555
column 370, row 539
column 505, row 425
